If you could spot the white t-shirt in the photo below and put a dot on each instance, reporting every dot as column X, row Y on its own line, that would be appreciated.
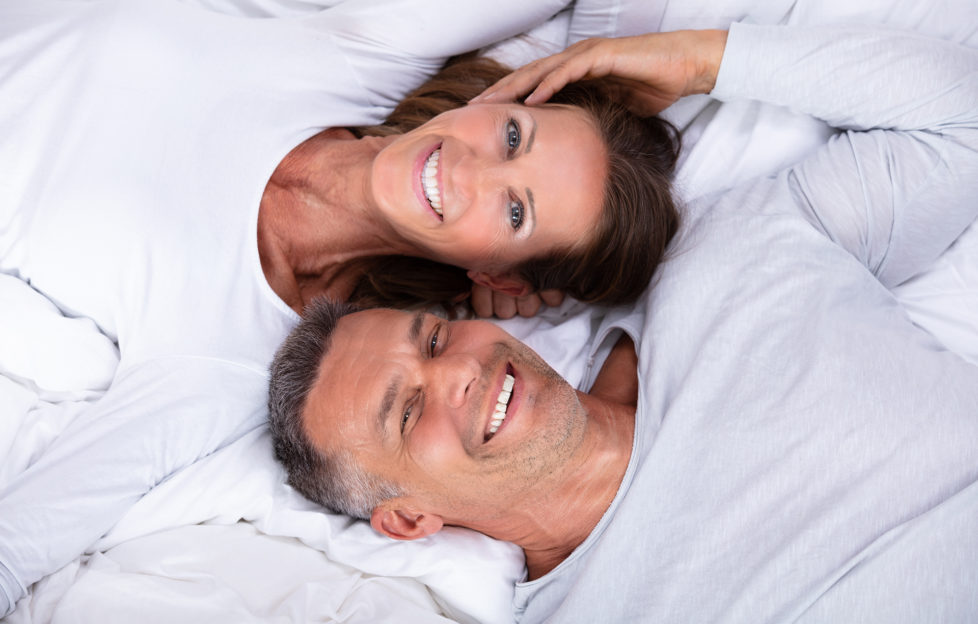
column 802, row 451
column 138, row 136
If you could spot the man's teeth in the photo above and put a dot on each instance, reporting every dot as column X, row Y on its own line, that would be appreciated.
column 429, row 181
column 502, row 402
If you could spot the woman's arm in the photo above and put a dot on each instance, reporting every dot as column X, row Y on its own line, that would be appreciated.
column 652, row 70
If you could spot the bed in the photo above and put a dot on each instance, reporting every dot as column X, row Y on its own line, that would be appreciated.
column 226, row 540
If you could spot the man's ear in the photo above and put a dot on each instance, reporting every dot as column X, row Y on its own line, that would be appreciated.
column 501, row 282
column 401, row 523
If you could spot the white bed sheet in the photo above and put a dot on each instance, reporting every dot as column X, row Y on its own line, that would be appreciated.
column 225, row 540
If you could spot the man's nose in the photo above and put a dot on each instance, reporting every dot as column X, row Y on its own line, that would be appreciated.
column 457, row 376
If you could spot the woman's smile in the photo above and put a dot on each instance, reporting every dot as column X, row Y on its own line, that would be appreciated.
column 428, row 181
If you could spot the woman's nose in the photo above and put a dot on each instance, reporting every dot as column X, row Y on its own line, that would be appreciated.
column 475, row 175
column 458, row 376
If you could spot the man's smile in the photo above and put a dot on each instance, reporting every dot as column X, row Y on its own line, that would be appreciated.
column 501, row 408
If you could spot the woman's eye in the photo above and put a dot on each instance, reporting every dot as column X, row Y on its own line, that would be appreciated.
column 512, row 137
column 515, row 213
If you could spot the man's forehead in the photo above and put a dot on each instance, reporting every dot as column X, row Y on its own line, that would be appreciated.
column 357, row 370
column 364, row 339
column 374, row 330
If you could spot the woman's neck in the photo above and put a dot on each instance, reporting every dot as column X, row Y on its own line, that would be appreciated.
column 315, row 217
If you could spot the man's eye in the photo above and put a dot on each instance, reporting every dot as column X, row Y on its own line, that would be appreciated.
column 433, row 343
column 515, row 213
column 405, row 417
column 512, row 137
column 415, row 406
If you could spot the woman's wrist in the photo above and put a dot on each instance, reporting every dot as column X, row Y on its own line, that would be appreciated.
column 711, row 44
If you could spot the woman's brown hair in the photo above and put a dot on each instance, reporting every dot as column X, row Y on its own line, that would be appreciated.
column 638, row 217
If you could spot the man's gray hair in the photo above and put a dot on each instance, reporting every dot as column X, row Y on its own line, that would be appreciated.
column 331, row 478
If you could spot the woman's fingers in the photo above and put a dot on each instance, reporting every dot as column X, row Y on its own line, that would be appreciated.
column 503, row 305
column 623, row 58
column 518, row 83
column 552, row 298
column 487, row 302
column 529, row 305
column 481, row 300
column 544, row 77
column 652, row 70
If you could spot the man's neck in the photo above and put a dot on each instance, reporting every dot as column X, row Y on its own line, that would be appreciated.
column 576, row 508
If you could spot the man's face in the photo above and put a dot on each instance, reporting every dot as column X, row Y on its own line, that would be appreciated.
column 422, row 402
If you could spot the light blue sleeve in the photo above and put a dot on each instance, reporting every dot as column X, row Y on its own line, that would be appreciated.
column 158, row 417
column 898, row 187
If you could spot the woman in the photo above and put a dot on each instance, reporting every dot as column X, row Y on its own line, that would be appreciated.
column 598, row 240
column 166, row 173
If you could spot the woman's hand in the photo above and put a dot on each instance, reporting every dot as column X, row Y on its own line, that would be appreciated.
column 652, row 70
column 487, row 302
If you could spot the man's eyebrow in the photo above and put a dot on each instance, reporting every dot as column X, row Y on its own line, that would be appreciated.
column 416, row 324
column 387, row 404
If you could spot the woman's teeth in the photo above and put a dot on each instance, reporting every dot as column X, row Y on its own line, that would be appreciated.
column 502, row 402
column 429, row 181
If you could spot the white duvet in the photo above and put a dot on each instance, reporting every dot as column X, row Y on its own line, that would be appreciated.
column 225, row 540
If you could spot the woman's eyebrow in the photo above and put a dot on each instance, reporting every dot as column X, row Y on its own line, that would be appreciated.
column 529, row 194
column 533, row 133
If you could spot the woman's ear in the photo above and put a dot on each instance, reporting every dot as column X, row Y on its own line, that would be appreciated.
column 501, row 282
column 401, row 523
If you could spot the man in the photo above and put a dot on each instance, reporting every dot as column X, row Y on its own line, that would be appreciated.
column 408, row 423
column 473, row 419
column 798, row 449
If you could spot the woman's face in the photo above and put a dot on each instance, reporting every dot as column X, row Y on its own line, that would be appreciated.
column 488, row 186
